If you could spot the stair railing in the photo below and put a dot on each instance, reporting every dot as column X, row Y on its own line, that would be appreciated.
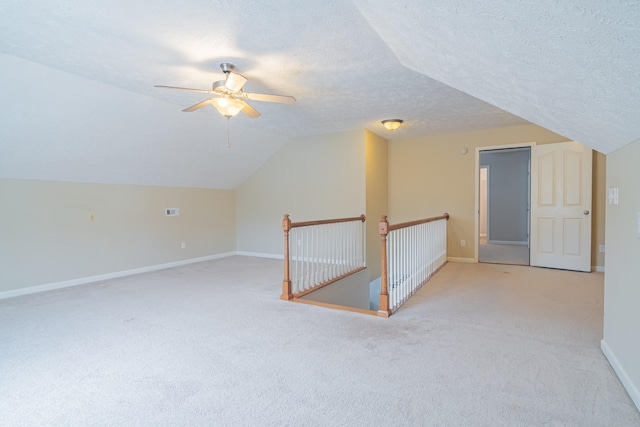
column 322, row 252
column 411, row 253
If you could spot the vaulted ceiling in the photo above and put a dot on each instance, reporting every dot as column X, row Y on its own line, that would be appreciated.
column 78, row 101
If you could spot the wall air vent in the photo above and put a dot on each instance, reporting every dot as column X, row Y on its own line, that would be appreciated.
column 172, row 211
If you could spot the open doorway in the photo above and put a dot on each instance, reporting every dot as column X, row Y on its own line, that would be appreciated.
column 504, row 205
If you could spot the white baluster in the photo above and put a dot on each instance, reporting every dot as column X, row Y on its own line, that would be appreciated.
column 400, row 260
column 390, row 268
column 314, row 256
column 297, row 258
column 394, row 271
column 299, row 244
column 406, row 258
column 418, row 257
column 342, row 241
column 340, row 248
column 409, row 253
column 428, row 257
column 423, row 252
column 300, row 239
column 396, row 267
column 309, row 251
column 350, row 246
column 310, row 257
column 326, row 236
column 419, row 260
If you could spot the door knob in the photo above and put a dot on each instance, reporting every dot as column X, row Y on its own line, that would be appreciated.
column 586, row 212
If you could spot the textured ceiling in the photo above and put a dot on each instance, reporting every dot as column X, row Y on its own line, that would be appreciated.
column 569, row 66
column 572, row 67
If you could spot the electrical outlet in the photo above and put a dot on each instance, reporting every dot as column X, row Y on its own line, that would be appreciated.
column 92, row 217
column 463, row 243
column 601, row 248
column 184, row 245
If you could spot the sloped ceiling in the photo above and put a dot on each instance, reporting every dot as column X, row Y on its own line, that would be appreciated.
column 572, row 67
column 79, row 104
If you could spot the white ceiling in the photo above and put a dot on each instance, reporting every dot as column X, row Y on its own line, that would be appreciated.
column 92, row 114
column 571, row 66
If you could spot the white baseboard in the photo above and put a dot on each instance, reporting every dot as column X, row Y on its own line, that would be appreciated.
column 598, row 268
column 457, row 259
column 260, row 255
column 84, row 280
column 628, row 384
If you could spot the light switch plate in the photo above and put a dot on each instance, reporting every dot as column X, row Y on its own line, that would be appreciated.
column 613, row 196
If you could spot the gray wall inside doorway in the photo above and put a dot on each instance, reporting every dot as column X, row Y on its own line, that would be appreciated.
column 508, row 195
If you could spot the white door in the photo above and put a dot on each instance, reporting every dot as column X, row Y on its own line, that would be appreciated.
column 561, row 206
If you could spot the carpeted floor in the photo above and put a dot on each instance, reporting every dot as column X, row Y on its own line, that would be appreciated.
column 211, row 344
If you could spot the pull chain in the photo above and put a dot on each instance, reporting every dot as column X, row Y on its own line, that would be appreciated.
column 228, row 142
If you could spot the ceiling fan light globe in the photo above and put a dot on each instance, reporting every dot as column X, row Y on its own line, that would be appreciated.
column 228, row 107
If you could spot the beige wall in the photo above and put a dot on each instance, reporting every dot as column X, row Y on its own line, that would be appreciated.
column 327, row 176
column 48, row 237
column 429, row 176
column 310, row 178
column 377, row 197
column 622, row 277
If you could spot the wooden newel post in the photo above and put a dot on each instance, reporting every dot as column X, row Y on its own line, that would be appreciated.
column 383, row 310
column 286, row 283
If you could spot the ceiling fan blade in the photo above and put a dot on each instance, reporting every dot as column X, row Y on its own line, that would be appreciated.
column 185, row 88
column 234, row 81
column 282, row 99
column 250, row 111
column 198, row 105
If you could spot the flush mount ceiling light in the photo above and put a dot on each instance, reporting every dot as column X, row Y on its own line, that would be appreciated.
column 392, row 124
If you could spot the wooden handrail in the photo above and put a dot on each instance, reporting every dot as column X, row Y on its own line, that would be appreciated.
column 326, row 221
column 417, row 222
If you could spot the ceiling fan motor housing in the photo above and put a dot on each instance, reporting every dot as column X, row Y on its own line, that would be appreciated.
column 227, row 67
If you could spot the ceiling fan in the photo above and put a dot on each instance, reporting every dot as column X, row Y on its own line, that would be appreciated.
column 229, row 97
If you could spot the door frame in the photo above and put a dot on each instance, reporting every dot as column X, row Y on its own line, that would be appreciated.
column 476, row 221
column 486, row 202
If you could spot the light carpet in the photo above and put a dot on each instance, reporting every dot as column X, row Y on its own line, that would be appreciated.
column 211, row 344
